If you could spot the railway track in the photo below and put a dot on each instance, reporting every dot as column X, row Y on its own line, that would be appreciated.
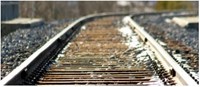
column 97, row 56
column 100, row 50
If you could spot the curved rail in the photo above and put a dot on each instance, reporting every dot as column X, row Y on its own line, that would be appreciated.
column 181, row 77
column 48, row 51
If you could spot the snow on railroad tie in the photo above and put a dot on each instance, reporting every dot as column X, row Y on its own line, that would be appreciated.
column 143, row 50
column 132, row 40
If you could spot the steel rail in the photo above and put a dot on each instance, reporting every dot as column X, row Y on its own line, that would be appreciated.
column 181, row 77
column 50, row 49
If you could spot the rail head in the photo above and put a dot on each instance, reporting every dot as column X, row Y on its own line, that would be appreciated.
column 182, row 77
column 14, row 77
column 23, row 66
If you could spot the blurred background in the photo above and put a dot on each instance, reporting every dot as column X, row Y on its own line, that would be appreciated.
column 55, row 10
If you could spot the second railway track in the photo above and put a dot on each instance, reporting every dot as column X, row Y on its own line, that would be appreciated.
column 101, row 51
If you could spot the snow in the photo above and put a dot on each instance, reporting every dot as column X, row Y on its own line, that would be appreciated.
column 132, row 41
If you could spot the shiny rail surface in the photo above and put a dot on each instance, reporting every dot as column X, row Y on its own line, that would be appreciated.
column 93, row 50
column 167, row 61
column 49, row 51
